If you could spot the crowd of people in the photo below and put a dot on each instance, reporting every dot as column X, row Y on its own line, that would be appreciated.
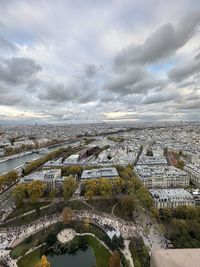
column 127, row 229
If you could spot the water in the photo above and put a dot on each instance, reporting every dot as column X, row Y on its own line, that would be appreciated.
column 79, row 259
column 11, row 164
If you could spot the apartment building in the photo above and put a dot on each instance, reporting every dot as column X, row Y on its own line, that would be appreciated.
column 52, row 178
column 161, row 176
column 171, row 198
column 194, row 173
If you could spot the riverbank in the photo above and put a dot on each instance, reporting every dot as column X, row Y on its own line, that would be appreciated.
column 15, row 156
column 16, row 161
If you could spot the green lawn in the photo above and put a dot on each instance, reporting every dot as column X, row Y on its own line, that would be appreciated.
column 20, row 250
column 77, row 205
column 101, row 253
column 104, row 205
column 30, row 259
column 26, row 208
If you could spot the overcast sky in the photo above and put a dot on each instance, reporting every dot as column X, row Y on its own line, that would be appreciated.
column 99, row 60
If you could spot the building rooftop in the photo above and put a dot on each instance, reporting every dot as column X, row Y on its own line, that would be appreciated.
column 145, row 171
column 147, row 160
column 99, row 173
column 171, row 194
column 195, row 168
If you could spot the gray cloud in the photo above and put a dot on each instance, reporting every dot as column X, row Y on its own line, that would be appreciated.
column 162, row 43
column 158, row 97
column 8, row 97
column 185, row 70
column 118, row 83
column 78, row 90
column 46, row 76
column 136, row 81
column 18, row 70
column 193, row 104
column 90, row 70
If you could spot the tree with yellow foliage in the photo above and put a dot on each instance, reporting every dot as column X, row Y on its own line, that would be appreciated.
column 35, row 190
column 87, row 224
column 67, row 215
column 43, row 262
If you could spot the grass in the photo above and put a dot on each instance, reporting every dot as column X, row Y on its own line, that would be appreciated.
column 139, row 253
column 35, row 215
column 101, row 253
column 30, row 259
column 57, row 207
column 26, row 208
column 77, row 205
column 104, row 205
column 20, row 250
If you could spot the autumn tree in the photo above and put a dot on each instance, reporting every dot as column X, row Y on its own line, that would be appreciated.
column 104, row 187
column 67, row 215
column 69, row 186
column 118, row 185
column 72, row 170
column 35, row 190
column 86, row 224
column 90, row 188
column 128, row 204
column 8, row 179
column 18, row 194
column 114, row 260
column 43, row 262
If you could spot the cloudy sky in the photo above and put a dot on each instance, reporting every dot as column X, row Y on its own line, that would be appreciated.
column 99, row 60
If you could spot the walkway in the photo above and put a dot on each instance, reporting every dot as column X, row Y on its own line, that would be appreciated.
column 127, row 253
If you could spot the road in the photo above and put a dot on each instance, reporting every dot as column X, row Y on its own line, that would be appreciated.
column 150, row 232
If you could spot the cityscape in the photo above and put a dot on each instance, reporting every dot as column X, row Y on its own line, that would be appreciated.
column 99, row 133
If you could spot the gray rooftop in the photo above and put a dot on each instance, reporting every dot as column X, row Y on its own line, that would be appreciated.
column 99, row 173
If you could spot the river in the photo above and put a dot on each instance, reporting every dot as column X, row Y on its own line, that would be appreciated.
column 11, row 164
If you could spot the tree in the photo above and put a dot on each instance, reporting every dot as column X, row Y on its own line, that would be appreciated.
column 67, row 215
column 35, row 190
column 52, row 195
column 114, row 260
column 90, row 188
column 145, row 197
column 72, row 170
column 137, row 263
column 105, row 187
column 69, row 186
column 18, row 193
column 50, row 239
column 43, row 262
column 128, row 204
column 118, row 185
column 165, row 214
column 8, row 179
column 180, row 164
column 86, row 224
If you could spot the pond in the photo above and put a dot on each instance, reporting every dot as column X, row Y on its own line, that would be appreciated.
column 79, row 258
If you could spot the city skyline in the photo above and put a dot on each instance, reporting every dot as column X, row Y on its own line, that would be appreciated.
column 85, row 61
